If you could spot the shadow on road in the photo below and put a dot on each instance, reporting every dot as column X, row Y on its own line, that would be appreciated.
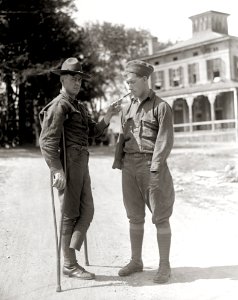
column 189, row 274
column 179, row 275
column 145, row 278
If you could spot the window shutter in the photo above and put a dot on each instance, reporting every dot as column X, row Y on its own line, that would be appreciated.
column 181, row 75
column 161, row 78
column 209, row 70
column 190, row 73
column 197, row 71
column 171, row 77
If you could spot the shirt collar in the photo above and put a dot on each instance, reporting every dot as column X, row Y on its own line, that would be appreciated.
column 71, row 100
column 150, row 96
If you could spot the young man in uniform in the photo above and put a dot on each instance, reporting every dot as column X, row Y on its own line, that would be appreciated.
column 143, row 146
column 65, row 111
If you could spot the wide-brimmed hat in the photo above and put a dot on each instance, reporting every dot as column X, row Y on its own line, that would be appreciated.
column 71, row 66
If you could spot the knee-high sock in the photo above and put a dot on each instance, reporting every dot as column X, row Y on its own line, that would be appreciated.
column 164, row 242
column 136, row 238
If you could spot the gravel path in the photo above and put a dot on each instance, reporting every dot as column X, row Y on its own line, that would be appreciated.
column 204, row 224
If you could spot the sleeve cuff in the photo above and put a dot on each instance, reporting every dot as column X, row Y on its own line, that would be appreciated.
column 117, row 165
column 55, row 166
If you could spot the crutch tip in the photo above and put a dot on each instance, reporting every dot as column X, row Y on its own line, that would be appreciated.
column 87, row 263
column 58, row 289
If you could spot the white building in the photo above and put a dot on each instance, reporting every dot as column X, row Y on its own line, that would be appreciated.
column 199, row 79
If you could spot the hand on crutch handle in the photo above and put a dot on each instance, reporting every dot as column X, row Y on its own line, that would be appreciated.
column 59, row 180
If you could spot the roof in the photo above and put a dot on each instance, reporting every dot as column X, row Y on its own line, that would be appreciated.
column 199, row 38
column 209, row 13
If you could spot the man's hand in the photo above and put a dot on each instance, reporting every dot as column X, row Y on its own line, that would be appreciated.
column 112, row 110
column 59, row 180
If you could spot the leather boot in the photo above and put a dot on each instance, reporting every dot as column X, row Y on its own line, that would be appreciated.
column 78, row 272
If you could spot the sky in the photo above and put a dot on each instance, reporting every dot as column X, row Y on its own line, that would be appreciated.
column 168, row 20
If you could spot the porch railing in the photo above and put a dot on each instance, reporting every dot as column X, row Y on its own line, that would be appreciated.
column 206, row 125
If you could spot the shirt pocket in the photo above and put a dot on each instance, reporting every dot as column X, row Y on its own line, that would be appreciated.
column 149, row 129
column 76, row 116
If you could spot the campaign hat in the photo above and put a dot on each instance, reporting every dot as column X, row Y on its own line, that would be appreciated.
column 71, row 66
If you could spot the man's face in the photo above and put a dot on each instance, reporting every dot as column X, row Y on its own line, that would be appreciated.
column 137, row 85
column 72, row 84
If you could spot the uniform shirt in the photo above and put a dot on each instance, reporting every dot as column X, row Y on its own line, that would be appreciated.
column 78, row 126
column 146, row 127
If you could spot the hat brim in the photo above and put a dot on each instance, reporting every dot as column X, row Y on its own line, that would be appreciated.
column 65, row 72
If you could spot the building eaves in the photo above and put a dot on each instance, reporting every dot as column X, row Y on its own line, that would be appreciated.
column 198, row 40
column 219, row 86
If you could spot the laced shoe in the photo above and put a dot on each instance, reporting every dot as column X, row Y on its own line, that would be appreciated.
column 163, row 273
column 131, row 268
column 79, row 272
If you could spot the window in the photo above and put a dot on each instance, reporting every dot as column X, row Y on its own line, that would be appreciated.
column 236, row 66
column 215, row 69
column 176, row 77
column 158, row 80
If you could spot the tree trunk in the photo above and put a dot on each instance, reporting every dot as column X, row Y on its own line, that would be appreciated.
column 22, row 115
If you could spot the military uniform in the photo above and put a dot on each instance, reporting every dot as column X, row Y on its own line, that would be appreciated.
column 78, row 125
column 144, row 144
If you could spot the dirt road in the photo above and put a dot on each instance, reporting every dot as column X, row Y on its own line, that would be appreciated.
column 204, row 255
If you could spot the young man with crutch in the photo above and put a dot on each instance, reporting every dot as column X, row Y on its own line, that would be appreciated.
column 66, row 112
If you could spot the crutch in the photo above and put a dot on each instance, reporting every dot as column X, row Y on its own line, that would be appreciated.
column 59, row 238
column 85, row 243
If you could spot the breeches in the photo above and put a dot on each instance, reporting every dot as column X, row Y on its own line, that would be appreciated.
column 78, row 194
column 141, row 187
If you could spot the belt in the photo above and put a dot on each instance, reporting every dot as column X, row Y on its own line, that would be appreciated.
column 139, row 154
column 78, row 147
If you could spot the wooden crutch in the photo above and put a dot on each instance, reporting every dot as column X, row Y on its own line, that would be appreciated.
column 58, row 238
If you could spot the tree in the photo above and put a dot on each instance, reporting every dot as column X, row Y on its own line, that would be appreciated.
column 35, row 35
column 109, row 47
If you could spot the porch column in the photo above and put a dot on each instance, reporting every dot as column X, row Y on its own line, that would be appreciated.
column 212, row 98
column 189, row 101
column 236, row 113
